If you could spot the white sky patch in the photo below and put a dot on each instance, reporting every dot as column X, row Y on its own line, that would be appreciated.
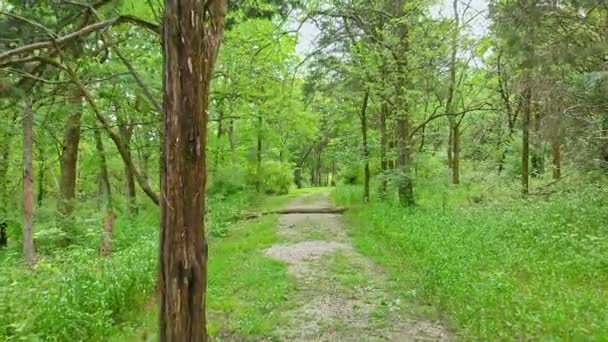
column 475, row 14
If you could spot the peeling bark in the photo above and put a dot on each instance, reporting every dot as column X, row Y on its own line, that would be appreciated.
column 192, row 31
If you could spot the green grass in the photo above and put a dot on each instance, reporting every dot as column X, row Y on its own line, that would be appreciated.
column 75, row 295
column 247, row 291
column 518, row 270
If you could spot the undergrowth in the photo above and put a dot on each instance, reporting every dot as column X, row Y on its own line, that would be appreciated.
column 505, row 269
column 75, row 295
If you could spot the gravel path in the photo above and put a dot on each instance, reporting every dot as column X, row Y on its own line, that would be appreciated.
column 342, row 296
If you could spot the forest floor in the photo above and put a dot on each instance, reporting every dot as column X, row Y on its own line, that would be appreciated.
column 298, row 277
column 340, row 294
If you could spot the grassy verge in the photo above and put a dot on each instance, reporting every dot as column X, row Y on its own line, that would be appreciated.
column 247, row 291
column 75, row 295
column 518, row 270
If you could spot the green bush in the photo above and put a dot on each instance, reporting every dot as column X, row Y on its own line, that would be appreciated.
column 274, row 178
column 277, row 177
column 227, row 180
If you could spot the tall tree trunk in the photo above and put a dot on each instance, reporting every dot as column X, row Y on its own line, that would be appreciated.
column 5, row 145
column 192, row 32
column 537, row 157
column 108, row 222
column 454, row 135
column 232, row 135
column 525, row 153
column 366, row 173
column 69, row 156
column 132, row 206
column 557, row 157
column 41, row 178
column 450, row 148
column 383, row 152
column 391, row 148
column 258, row 181
column 604, row 143
column 126, row 135
column 318, row 167
column 405, row 184
column 456, row 153
column 29, row 251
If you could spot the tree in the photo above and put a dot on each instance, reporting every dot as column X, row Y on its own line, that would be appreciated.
column 28, row 183
column 192, row 32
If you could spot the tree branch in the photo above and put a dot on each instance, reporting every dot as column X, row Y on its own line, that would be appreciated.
column 77, row 34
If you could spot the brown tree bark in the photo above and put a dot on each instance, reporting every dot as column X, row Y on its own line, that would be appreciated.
column 456, row 153
column 450, row 146
column 557, row 158
column 69, row 156
column 366, row 173
column 5, row 145
column 41, row 178
column 108, row 223
column 405, row 186
column 383, row 150
column 537, row 154
column 29, row 251
column 604, row 143
column 126, row 134
column 258, row 176
column 525, row 152
column 192, row 31
column 454, row 135
column 232, row 135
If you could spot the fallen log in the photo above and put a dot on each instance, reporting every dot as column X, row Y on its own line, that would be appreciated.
column 286, row 211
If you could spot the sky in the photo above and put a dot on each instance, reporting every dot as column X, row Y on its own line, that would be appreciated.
column 477, row 12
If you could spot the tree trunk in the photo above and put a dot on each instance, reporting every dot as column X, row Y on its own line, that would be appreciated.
column 29, row 251
column 450, row 146
column 405, row 184
column 126, row 135
column 557, row 158
column 298, row 177
column 391, row 148
column 132, row 206
column 538, row 155
column 454, row 135
column 456, row 153
column 525, row 153
column 108, row 223
column 69, row 156
column 258, row 181
column 41, row 178
column 383, row 152
column 366, row 173
column 604, row 144
column 192, row 32
column 4, row 162
column 232, row 135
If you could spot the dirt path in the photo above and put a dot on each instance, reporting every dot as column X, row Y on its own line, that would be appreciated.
column 342, row 296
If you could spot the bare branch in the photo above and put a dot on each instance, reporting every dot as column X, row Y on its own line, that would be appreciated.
column 77, row 34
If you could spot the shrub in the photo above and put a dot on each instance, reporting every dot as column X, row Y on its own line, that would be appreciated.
column 273, row 178
column 227, row 180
